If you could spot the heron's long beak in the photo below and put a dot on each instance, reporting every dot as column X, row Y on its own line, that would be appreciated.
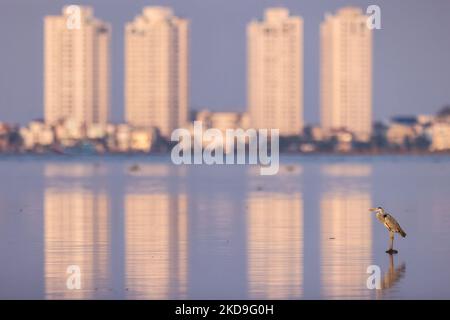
column 372, row 209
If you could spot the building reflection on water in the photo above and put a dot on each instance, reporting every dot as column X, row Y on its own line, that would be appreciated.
column 275, row 238
column 156, row 245
column 150, row 229
column 155, row 233
column 78, row 228
column 76, row 233
column 346, row 232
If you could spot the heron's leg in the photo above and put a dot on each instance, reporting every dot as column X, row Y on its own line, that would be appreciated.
column 391, row 235
column 391, row 244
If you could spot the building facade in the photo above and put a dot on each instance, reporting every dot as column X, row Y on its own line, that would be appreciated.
column 440, row 136
column 275, row 72
column 76, row 67
column 346, row 72
column 156, row 70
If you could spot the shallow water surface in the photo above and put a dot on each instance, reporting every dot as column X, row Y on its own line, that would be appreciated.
column 158, row 231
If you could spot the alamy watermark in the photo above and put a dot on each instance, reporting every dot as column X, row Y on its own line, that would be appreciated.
column 73, row 281
column 234, row 146
column 73, row 17
column 374, row 17
column 374, row 280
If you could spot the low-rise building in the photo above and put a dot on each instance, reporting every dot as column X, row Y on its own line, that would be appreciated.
column 123, row 138
column 403, row 129
column 96, row 131
column 4, row 137
column 37, row 134
column 68, row 132
column 142, row 140
column 344, row 140
column 440, row 136
column 221, row 121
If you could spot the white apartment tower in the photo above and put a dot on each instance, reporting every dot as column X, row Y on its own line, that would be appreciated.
column 346, row 73
column 76, row 67
column 156, row 70
column 275, row 72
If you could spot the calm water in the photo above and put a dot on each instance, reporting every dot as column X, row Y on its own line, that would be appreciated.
column 163, row 231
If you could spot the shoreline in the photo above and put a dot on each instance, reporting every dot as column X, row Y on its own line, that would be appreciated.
column 130, row 156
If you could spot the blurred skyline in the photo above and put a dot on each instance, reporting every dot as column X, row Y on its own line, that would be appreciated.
column 411, row 53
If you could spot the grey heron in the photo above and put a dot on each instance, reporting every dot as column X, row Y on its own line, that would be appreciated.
column 391, row 224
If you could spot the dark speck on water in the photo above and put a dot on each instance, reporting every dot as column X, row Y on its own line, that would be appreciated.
column 290, row 168
column 134, row 168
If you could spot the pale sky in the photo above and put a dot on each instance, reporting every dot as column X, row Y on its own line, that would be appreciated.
column 411, row 52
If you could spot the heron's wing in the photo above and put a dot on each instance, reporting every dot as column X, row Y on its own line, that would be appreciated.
column 391, row 223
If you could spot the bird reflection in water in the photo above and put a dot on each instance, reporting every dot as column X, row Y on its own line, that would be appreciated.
column 391, row 277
